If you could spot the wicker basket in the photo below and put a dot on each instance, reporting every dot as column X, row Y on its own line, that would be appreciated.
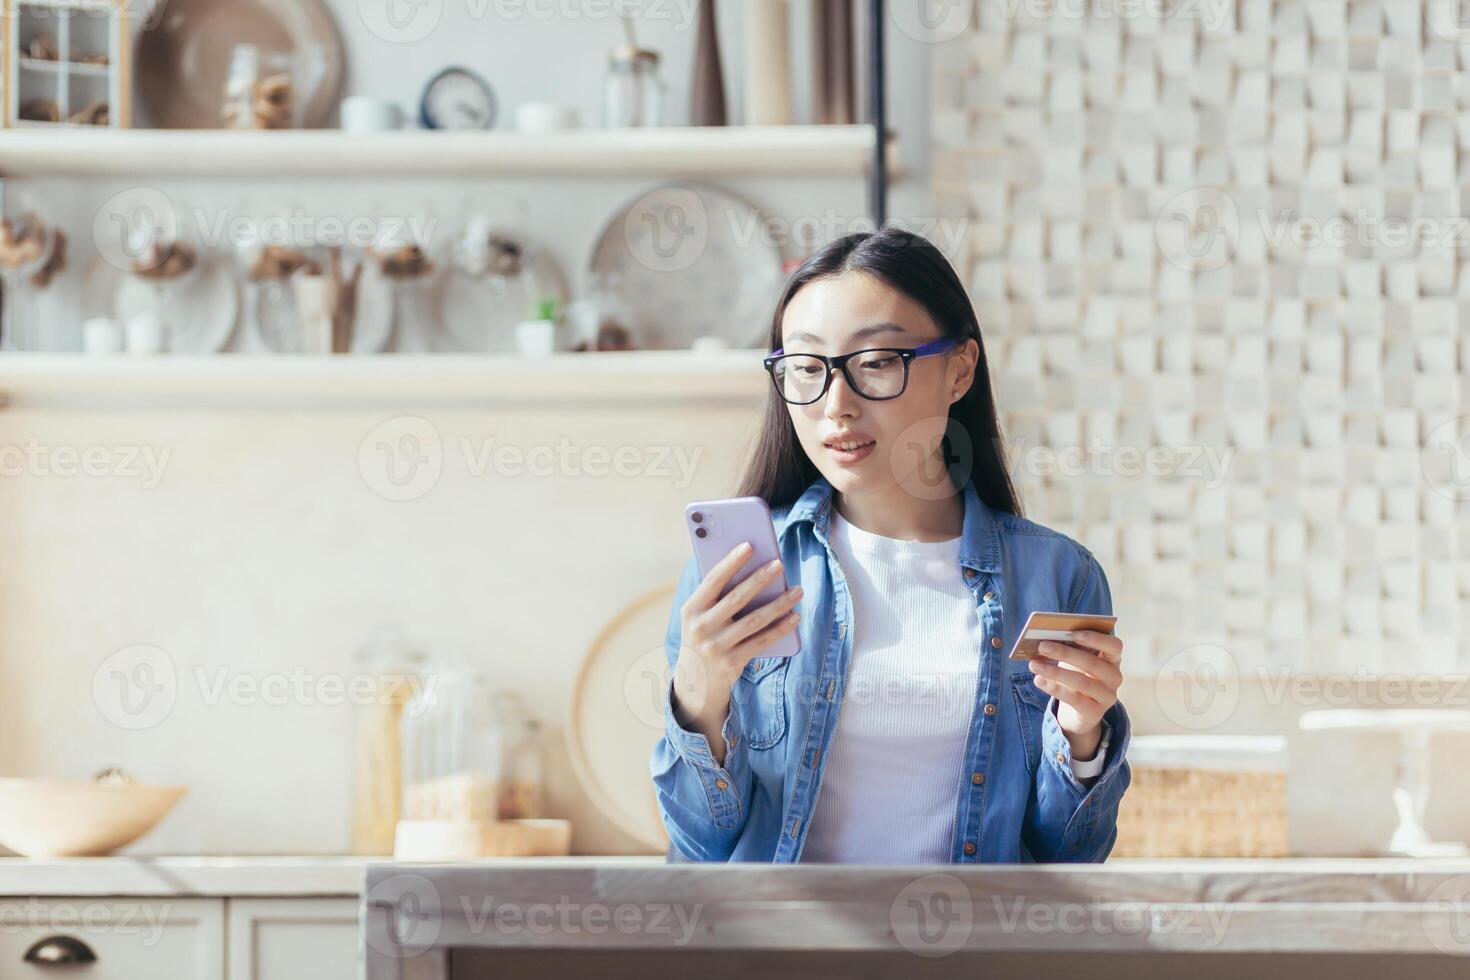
column 1186, row 800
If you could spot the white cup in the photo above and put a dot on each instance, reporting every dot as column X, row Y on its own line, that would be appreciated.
column 145, row 333
column 102, row 335
column 545, row 117
column 369, row 114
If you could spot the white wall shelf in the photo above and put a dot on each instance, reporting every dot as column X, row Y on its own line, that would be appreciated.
column 818, row 151
column 242, row 380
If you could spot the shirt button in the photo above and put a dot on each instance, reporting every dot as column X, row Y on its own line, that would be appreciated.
column 977, row 778
column 1062, row 758
column 990, row 709
column 995, row 642
column 721, row 784
column 989, row 596
column 969, row 573
column 969, row 847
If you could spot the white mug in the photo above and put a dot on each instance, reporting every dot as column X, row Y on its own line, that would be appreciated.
column 544, row 117
column 369, row 114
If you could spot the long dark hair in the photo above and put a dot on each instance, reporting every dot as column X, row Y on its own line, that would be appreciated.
column 779, row 469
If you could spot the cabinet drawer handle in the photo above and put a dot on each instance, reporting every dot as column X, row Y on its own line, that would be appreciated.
column 55, row 950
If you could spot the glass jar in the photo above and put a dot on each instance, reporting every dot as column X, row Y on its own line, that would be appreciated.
column 258, row 90
column 633, row 94
column 269, row 268
column 601, row 319
column 394, row 667
column 521, row 761
column 412, row 276
column 452, row 752
column 27, row 262
column 487, row 289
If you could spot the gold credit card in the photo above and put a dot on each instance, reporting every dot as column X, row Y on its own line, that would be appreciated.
column 1056, row 626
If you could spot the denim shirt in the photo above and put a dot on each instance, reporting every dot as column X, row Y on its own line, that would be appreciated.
column 1017, row 800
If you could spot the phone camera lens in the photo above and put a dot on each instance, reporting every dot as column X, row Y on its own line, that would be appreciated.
column 700, row 532
column 697, row 517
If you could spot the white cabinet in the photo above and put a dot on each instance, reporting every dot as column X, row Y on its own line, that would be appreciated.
column 127, row 938
column 120, row 938
column 293, row 939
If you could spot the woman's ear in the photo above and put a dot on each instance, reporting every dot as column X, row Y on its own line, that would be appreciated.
column 963, row 368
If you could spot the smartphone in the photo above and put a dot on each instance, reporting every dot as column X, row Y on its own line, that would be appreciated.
column 1056, row 626
column 716, row 527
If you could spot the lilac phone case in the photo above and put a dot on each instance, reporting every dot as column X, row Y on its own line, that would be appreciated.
column 726, row 523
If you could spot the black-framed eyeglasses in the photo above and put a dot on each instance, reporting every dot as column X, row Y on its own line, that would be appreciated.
column 876, row 373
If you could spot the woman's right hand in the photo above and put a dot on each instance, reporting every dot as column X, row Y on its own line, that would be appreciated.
column 714, row 646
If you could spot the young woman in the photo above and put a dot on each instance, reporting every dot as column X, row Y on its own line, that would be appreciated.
column 902, row 732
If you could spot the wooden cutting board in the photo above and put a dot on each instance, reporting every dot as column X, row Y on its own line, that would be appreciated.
column 616, row 716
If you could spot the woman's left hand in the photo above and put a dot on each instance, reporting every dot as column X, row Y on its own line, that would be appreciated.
column 1084, row 677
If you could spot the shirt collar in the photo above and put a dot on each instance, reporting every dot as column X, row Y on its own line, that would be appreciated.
column 979, row 539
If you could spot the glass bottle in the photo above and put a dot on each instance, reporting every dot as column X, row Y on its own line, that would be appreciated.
column 633, row 93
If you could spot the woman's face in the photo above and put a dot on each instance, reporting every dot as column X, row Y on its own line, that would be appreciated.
column 863, row 446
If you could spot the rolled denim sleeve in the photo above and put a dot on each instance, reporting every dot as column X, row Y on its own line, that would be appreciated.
column 703, row 805
column 1069, row 821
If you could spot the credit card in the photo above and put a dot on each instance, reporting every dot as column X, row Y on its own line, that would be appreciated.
column 1056, row 626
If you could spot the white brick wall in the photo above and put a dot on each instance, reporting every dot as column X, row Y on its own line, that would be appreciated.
column 1225, row 238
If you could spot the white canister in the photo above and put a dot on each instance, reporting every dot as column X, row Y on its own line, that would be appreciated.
column 145, row 333
column 369, row 114
column 102, row 335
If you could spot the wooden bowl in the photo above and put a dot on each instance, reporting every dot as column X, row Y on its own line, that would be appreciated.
column 527, row 838
column 466, row 840
column 59, row 818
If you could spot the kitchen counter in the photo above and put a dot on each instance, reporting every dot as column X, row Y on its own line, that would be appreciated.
column 540, row 916
column 1149, row 918
column 183, row 876
column 232, row 877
